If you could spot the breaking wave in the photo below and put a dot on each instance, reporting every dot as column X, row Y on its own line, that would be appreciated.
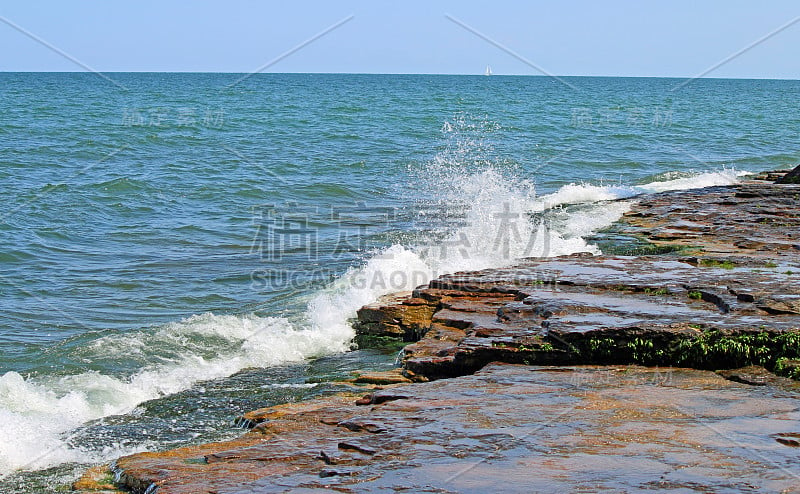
column 483, row 215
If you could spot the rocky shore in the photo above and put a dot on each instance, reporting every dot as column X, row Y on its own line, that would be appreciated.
column 669, row 363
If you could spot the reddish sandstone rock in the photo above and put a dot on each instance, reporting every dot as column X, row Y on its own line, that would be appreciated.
column 756, row 220
column 97, row 480
column 394, row 376
column 620, row 429
column 396, row 315
column 737, row 287
column 602, row 310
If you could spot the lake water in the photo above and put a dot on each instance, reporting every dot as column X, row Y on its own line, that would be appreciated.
column 180, row 248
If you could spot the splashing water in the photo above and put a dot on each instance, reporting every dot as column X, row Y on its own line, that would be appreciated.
column 480, row 214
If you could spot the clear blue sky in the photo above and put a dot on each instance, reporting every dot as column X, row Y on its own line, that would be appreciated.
column 614, row 38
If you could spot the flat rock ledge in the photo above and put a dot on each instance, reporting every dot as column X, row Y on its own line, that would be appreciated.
column 546, row 389
column 649, row 310
column 506, row 428
column 723, row 294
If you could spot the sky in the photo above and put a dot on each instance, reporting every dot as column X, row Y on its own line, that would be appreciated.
column 610, row 38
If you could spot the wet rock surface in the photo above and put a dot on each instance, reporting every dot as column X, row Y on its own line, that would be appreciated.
column 721, row 295
column 792, row 177
column 508, row 428
column 582, row 309
column 754, row 220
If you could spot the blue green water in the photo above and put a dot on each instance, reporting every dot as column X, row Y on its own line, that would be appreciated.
column 162, row 237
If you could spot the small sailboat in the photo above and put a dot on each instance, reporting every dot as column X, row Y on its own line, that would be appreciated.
column 488, row 71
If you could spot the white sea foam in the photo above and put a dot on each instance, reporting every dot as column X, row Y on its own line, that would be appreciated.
column 499, row 220
column 36, row 414
column 589, row 193
column 34, row 418
column 585, row 193
column 727, row 176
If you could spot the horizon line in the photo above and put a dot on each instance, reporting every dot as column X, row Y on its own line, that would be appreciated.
column 476, row 74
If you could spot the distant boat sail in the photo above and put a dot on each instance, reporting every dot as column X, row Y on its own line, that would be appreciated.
column 488, row 71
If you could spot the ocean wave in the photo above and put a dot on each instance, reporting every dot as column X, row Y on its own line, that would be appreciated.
column 669, row 181
column 726, row 176
column 483, row 216
column 35, row 414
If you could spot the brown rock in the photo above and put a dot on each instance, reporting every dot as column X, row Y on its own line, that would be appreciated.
column 394, row 376
column 789, row 439
column 619, row 429
column 755, row 375
column 364, row 400
column 396, row 315
column 615, row 309
column 793, row 177
column 97, row 480
column 758, row 220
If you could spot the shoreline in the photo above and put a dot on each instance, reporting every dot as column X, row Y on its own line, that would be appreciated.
column 714, row 291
